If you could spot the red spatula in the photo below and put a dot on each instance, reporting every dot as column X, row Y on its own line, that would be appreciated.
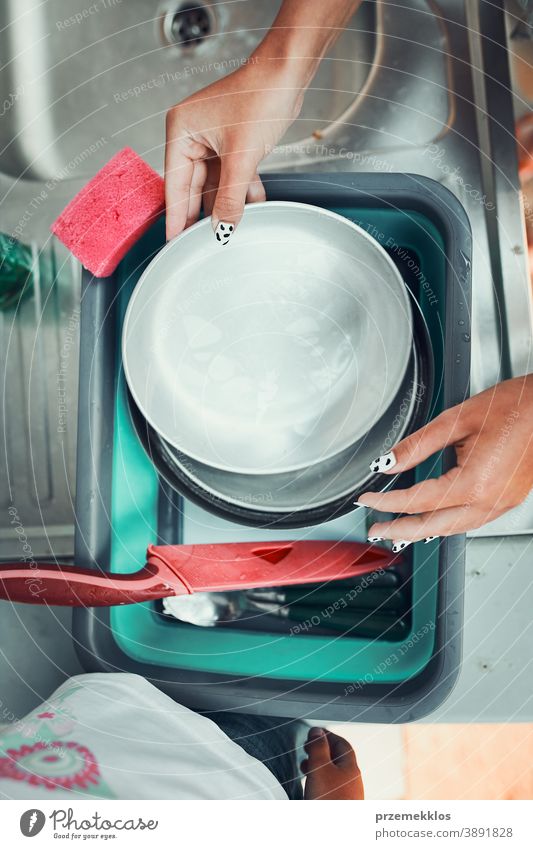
column 185, row 569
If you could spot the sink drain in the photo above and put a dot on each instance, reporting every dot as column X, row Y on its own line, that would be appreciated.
column 187, row 26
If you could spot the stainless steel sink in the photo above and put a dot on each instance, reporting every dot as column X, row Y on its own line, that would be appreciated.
column 112, row 75
column 88, row 86
column 404, row 89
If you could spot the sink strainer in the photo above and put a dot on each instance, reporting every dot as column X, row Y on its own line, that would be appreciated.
column 188, row 25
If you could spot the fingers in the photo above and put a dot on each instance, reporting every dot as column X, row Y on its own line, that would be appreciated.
column 432, row 494
column 344, row 758
column 331, row 767
column 440, row 523
column 181, row 154
column 254, row 194
column 199, row 177
column 324, row 747
column 178, row 177
column 446, row 429
column 237, row 172
column 211, row 184
column 317, row 748
column 341, row 752
column 438, row 502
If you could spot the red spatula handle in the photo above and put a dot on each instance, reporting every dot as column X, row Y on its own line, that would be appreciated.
column 181, row 569
column 71, row 586
column 244, row 565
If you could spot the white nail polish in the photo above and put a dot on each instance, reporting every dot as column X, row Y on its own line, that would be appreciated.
column 428, row 539
column 223, row 232
column 399, row 545
column 358, row 504
column 375, row 539
column 383, row 463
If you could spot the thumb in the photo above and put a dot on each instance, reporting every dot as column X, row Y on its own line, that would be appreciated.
column 317, row 748
column 237, row 171
column 444, row 430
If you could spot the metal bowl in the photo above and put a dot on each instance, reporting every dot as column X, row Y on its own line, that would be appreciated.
column 320, row 492
column 275, row 352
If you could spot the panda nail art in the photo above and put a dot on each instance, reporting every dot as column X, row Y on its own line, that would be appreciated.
column 399, row 545
column 223, row 232
column 429, row 539
column 383, row 463
column 375, row 539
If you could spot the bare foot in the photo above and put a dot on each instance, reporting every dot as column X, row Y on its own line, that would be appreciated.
column 330, row 767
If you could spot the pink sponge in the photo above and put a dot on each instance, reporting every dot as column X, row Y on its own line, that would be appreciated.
column 111, row 212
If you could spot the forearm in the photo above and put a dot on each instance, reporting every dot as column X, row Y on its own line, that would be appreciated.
column 301, row 34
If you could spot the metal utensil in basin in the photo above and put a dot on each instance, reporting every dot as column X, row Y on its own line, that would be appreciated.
column 275, row 352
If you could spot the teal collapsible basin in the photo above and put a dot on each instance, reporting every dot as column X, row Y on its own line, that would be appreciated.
column 330, row 676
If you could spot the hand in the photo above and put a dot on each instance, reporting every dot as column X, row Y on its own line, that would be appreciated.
column 492, row 434
column 216, row 139
column 330, row 767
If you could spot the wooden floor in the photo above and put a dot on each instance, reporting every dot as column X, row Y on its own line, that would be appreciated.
column 468, row 761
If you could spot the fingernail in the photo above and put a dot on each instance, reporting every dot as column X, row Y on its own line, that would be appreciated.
column 429, row 539
column 358, row 504
column 375, row 539
column 223, row 232
column 316, row 732
column 400, row 544
column 383, row 463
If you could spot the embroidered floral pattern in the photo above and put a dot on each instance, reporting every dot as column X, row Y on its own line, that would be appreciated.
column 45, row 725
column 51, row 765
